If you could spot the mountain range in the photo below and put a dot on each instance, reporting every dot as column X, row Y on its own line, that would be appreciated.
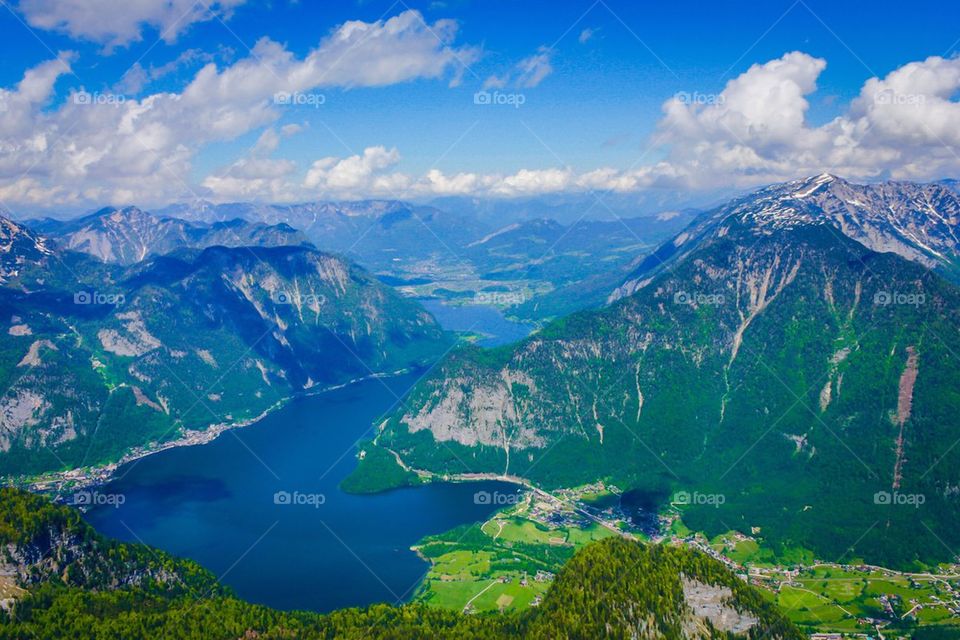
column 129, row 235
column 788, row 359
column 102, row 358
column 791, row 351
column 549, row 268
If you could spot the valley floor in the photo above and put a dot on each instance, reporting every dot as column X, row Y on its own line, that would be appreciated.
column 508, row 562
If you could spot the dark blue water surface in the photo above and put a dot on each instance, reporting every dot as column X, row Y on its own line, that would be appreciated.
column 483, row 319
column 216, row 504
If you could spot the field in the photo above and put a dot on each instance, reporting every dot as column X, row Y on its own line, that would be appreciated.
column 839, row 598
column 506, row 563
column 836, row 598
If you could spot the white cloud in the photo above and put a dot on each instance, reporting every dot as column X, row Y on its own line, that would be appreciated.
column 127, row 148
column 755, row 130
column 252, row 178
column 526, row 74
column 586, row 35
column 115, row 24
column 354, row 173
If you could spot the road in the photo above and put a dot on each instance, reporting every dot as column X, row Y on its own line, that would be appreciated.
column 475, row 477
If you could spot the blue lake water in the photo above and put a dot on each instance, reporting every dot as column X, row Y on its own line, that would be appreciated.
column 483, row 319
column 216, row 504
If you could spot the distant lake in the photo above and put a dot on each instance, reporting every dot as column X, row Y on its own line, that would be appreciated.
column 216, row 504
column 483, row 319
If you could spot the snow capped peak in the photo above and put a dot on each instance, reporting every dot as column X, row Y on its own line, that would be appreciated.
column 917, row 221
column 19, row 246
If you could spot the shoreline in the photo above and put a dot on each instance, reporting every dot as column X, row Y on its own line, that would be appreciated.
column 59, row 483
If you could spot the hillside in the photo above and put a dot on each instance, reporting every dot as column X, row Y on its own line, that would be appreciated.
column 771, row 361
column 99, row 359
column 84, row 586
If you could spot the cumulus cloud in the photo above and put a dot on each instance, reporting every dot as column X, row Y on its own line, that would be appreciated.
column 252, row 179
column 114, row 24
column 358, row 172
column 257, row 176
column 96, row 148
column 755, row 130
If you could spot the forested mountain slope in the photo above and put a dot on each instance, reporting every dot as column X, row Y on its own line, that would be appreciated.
column 775, row 361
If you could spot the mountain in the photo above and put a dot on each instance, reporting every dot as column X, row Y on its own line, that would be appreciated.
column 376, row 233
column 129, row 235
column 799, row 378
column 102, row 359
column 950, row 183
column 920, row 222
column 19, row 247
column 65, row 580
column 545, row 268
column 48, row 544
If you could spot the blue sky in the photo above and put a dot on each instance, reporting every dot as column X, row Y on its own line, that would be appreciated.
column 593, row 79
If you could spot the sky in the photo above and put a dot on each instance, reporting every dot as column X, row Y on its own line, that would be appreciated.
column 148, row 102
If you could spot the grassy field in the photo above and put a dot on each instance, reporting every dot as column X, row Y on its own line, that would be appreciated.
column 495, row 566
column 744, row 551
column 830, row 598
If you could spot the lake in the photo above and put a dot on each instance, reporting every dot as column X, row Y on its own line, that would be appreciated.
column 261, row 508
column 486, row 320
